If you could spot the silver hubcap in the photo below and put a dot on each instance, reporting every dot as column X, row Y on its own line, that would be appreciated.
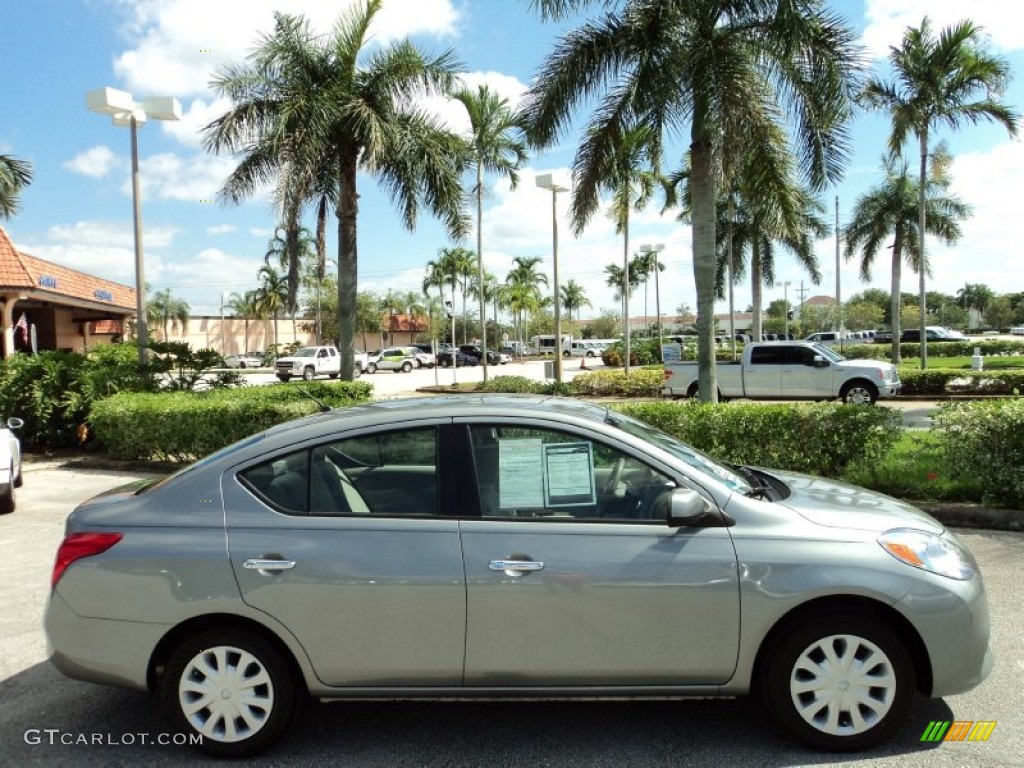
column 226, row 694
column 858, row 395
column 843, row 685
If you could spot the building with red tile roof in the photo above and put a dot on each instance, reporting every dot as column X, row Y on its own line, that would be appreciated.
column 55, row 306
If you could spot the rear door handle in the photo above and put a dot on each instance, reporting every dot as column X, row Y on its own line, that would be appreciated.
column 259, row 564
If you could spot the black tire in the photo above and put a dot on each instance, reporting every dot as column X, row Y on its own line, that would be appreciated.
column 269, row 705
column 406, row 367
column 7, row 501
column 284, row 378
column 863, row 705
column 333, row 375
column 445, row 363
column 241, row 364
column 308, row 373
column 693, row 392
column 566, row 353
column 19, row 480
column 859, row 392
column 371, row 368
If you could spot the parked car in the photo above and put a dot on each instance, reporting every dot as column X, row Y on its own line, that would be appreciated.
column 472, row 350
column 310, row 362
column 425, row 355
column 790, row 370
column 552, row 548
column 394, row 359
column 461, row 359
column 10, row 463
column 243, row 360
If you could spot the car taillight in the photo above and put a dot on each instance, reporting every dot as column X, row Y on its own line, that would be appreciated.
column 79, row 545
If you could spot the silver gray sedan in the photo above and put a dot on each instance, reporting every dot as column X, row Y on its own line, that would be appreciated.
column 502, row 546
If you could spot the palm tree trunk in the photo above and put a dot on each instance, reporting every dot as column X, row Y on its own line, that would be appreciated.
column 921, row 262
column 625, row 284
column 732, row 275
column 348, row 208
column 480, row 258
column 757, row 285
column 897, row 265
column 703, row 191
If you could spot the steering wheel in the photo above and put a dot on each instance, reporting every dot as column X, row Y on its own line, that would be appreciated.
column 613, row 478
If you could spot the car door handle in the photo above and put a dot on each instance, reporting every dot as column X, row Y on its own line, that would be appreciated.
column 515, row 567
column 259, row 564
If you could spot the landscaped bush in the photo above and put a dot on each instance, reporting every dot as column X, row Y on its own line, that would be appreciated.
column 44, row 390
column 641, row 382
column 985, row 441
column 939, row 382
column 183, row 426
column 818, row 438
column 646, row 353
column 866, row 351
column 519, row 384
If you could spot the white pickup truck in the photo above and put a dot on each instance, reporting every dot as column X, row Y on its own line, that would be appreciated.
column 310, row 362
column 791, row 370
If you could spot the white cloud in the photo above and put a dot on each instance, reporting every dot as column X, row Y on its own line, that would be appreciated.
column 194, row 118
column 506, row 86
column 175, row 45
column 172, row 177
column 96, row 162
column 887, row 20
column 260, row 232
column 221, row 229
column 108, row 234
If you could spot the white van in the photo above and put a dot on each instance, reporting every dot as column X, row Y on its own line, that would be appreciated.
column 582, row 348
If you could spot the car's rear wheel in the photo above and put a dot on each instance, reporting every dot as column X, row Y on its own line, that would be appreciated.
column 332, row 375
column 859, row 393
column 232, row 688
column 371, row 368
column 842, row 682
column 241, row 364
column 406, row 366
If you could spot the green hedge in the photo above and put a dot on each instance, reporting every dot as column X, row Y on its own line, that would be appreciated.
column 183, row 426
column 938, row 382
column 984, row 441
column 988, row 347
column 817, row 438
column 641, row 382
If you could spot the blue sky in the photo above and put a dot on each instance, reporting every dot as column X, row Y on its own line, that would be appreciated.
column 78, row 209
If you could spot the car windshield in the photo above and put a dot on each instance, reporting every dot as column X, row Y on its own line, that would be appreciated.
column 828, row 353
column 680, row 450
column 305, row 352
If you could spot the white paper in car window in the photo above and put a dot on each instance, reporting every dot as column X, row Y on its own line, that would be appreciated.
column 569, row 470
column 520, row 474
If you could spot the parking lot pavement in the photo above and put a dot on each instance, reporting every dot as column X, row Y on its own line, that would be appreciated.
column 104, row 726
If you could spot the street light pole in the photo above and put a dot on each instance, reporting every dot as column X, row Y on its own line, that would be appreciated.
column 548, row 181
column 121, row 106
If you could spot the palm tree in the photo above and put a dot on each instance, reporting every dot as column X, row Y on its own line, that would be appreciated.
column 272, row 295
column 731, row 69
column 890, row 210
column 15, row 175
column 455, row 266
column 246, row 306
column 937, row 80
column 303, row 102
column 435, row 278
column 624, row 282
column 291, row 248
column 574, row 298
column 168, row 311
column 523, row 290
column 495, row 149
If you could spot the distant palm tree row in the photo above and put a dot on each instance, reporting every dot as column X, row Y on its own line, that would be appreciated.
column 762, row 94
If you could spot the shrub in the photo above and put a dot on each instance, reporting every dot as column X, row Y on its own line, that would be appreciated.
column 818, row 438
column 936, row 381
column 520, row 384
column 41, row 389
column 984, row 441
column 183, row 426
column 641, row 382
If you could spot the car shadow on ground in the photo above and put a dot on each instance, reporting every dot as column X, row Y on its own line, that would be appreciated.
column 43, row 709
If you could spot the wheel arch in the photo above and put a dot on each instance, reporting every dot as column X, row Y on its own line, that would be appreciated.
column 845, row 604
column 859, row 382
column 162, row 653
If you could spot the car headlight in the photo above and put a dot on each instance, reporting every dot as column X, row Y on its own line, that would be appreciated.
column 929, row 552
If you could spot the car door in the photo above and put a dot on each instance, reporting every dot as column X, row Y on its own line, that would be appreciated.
column 573, row 578
column 762, row 375
column 345, row 542
column 802, row 377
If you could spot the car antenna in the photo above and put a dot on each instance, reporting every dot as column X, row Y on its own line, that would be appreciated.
column 324, row 407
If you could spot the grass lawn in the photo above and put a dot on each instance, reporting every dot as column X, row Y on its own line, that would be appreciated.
column 916, row 469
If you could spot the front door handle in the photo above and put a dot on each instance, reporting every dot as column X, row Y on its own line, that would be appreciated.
column 515, row 567
column 260, row 564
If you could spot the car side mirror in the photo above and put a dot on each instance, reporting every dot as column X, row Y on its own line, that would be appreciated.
column 688, row 509
column 15, row 423
column 820, row 362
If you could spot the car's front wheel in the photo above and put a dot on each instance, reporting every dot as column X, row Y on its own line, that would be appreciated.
column 232, row 688
column 284, row 378
column 371, row 368
column 842, row 682
column 859, row 393
column 7, row 497
column 307, row 374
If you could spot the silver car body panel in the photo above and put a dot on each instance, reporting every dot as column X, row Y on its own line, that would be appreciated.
column 409, row 607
